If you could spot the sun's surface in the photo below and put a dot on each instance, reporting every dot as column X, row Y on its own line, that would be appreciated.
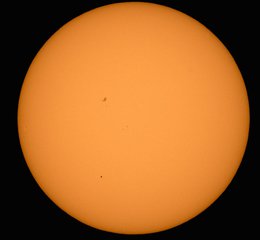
column 133, row 118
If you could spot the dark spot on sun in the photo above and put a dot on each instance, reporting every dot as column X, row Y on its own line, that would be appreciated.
column 104, row 99
column 125, row 127
column 101, row 176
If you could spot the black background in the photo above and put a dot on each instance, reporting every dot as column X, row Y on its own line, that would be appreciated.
column 27, row 211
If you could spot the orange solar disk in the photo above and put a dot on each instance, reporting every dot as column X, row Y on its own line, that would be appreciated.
column 133, row 118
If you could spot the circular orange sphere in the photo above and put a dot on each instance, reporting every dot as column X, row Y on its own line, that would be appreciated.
column 133, row 118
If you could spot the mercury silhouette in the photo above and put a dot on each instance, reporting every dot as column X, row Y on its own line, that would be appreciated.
column 133, row 118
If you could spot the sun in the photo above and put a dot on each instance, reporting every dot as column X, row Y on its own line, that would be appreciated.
column 133, row 118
